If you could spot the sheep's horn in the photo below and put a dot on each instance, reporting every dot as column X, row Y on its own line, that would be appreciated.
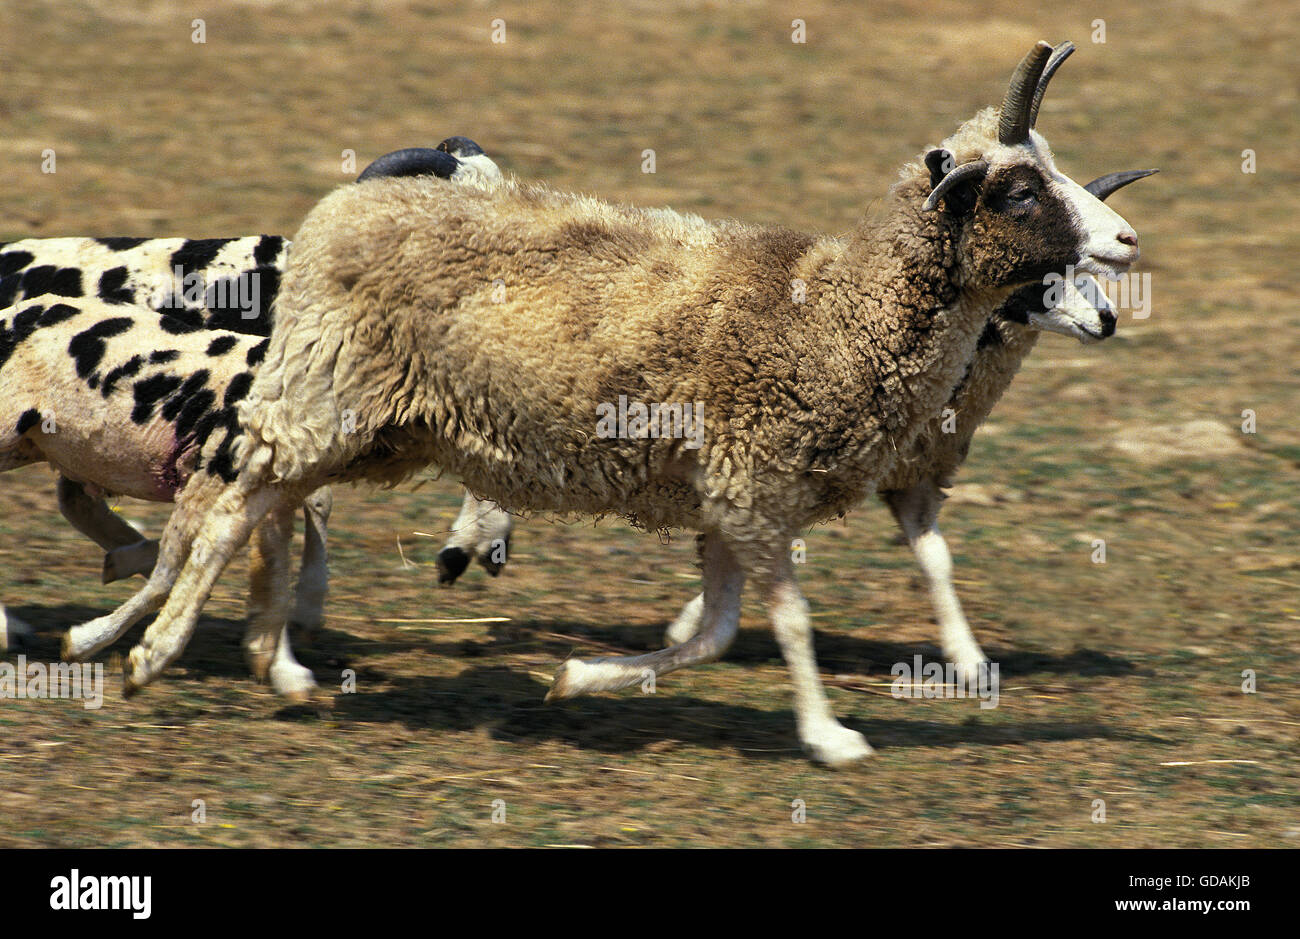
column 1013, row 122
column 413, row 161
column 1103, row 186
column 1059, row 55
column 961, row 173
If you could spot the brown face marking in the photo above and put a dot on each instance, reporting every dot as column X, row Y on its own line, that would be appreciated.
column 1021, row 230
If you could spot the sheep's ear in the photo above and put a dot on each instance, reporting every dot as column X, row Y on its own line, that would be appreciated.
column 955, row 186
column 940, row 163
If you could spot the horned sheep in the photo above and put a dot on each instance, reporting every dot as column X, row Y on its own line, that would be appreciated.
column 393, row 350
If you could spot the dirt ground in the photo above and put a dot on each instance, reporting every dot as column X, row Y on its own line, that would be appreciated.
column 1122, row 681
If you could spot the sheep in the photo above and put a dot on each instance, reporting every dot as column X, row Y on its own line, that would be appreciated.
column 393, row 350
column 79, row 391
column 914, row 490
column 209, row 283
column 212, row 283
column 482, row 531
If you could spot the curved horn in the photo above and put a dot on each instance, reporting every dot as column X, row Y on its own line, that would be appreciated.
column 1013, row 122
column 413, row 161
column 1059, row 55
column 1103, row 186
column 960, row 174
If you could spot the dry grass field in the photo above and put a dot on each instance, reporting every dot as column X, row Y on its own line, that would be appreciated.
column 1121, row 681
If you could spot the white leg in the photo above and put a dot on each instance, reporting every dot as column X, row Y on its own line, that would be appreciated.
column 917, row 511
column 288, row 676
column 313, row 578
column 221, row 531
column 267, row 641
column 12, row 630
column 687, row 623
column 723, row 579
column 824, row 738
column 85, row 640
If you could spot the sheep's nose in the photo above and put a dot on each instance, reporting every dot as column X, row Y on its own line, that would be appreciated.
column 1128, row 237
column 1108, row 321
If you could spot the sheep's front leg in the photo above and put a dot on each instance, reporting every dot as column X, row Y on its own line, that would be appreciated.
column 266, row 643
column 917, row 511
column 824, row 738
column 723, row 579
column 13, row 631
column 314, row 577
column 220, row 532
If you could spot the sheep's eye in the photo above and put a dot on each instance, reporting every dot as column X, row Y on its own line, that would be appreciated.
column 1021, row 195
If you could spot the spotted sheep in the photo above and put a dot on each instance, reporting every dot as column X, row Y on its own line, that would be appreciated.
column 173, row 290
column 122, row 399
column 388, row 312
column 153, row 293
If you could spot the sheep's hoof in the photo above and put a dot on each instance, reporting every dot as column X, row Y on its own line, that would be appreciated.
column 128, row 560
column 110, row 573
column 66, row 652
column 299, row 695
column 451, row 564
column 567, row 682
column 835, row 745
column 131, row 669
column 259, row 663
column 295, row 684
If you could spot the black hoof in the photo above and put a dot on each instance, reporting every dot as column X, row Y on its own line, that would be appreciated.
column 451, row 564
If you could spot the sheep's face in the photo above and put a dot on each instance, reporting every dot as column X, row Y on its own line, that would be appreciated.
column 1018, row 217
column 1077, row 308
column 1024, row 220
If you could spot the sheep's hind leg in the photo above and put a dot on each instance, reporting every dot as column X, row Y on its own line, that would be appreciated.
column 313, row 577
column 221, row 531
column 723, row 579
column 824, row 738
column 126, row 551
column 266, row 643
column 916, row 511
column 86, row 639
column 481, row 531
column 687, row 623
